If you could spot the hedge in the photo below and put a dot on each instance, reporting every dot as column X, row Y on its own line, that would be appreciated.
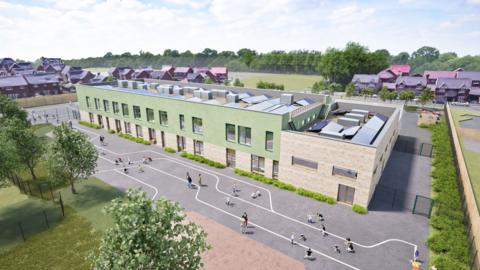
column 448, row 242
column 134, row 139
column 202, row 160
column 90, row 125
column 111, row 131
column 169, row 150
column 300, row 191
column 359, row 209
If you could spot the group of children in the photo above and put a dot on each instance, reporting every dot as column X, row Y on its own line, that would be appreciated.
column 190, row 181
column 145, row 160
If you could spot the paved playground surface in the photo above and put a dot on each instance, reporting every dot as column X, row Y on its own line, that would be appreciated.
column 382, row 239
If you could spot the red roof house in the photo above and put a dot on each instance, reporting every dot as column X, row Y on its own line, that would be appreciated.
column 433, row 75
column 220, row 72
column 400, row 69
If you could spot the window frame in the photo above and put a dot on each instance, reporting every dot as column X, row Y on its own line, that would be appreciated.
column 181, row 121
column 246, row 140
column 227, row 138
column 115, row 108
column 199, row 129
column 150, row 113
column 137, row 112
column 125, row 110
column 267, row 141
column 255, row 166
column 344, row 172
column 106, row 105
column 87, row 100
column 163, row 118
column 304, row 163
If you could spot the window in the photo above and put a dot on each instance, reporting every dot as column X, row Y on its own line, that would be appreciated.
column 244, row 135
column 304, row 162
column 97, row 103
column 139, row 131
column 125, row 109
column 197, row 125
column 106, row 105
column 87, row 99
column 182, row 122
column 116, row 110
column 275, row 169
column 163, row 118
column 150, row 115
column 344, row 172
column 136, row 112
column 197, row 147
column 269, row 141
column 127, row 127
column 258, row 164
column 230, row 132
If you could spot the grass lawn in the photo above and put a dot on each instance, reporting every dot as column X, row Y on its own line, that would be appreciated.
column 292, row 82
column 65, row 246
column 42, row 129
column 472, row 159
column 95, row 70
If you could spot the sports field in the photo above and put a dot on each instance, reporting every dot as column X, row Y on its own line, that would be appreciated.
column 292, row 82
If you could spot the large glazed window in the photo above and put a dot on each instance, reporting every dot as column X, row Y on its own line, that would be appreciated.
column 116, row 109
column 244, row 135
column 150, row 115
column 163, row 118
column 344, row 172
column 269, row 141
column 304, row 162
column 106, row 105
column 197, row 124
column 258, row 164
column 136, row 112
column 125, row 109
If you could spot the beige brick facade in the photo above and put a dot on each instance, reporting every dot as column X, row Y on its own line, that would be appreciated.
column 84, row 116
column 268, row 168
column 243, row 160
column 215, row 152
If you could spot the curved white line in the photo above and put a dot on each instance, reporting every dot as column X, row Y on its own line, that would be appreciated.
column 182, row 162
column 140, row 181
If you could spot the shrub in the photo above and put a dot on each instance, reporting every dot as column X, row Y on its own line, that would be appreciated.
column 134, row 139
column 90, row 125
column 423, row 126
column 449, row 241
column 111, row 131
column 286, row 186
column 359, row 209
column 203, row 160
column 169, row 150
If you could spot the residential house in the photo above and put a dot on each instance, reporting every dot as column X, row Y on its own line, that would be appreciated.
column 452, row 89
column 43, row 84
column 209, row 75
column 99, row 78
column 57, row 63
column 22, row 68
column 194, row 78
column 14, row 86
column 161, row 75
column 200, row 69
column 400, row 69
column 475, row 89
column 415, row 84
column 142, row 73
column 168, row 68
column 76, row 75
column 221, row 73
column 433, row 75
column 181, row 73
column 3, row 72
column 5, row 63
column 387, row 76
column 362, row 81
column 121, row 73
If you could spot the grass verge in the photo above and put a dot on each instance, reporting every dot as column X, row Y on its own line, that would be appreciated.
column 90, row 125
column 134, row 139
column 274, row 182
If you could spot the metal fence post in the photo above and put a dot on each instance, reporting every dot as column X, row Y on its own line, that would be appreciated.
column 46, row 219
column 21, row 231
column 414, row 204
column 61, row 203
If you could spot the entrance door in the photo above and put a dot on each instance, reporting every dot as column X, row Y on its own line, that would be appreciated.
column 345, row 194
column 100, row 120
column 151, row 135
column 91, row 118
column 180, row 143
column 230, row 157
column 162, row 135
column 139, row 131
column 108, row 122
column 118, row 125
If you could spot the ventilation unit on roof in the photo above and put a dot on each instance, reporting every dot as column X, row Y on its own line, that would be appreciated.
column 152, row 86
column 206, row 95
column 197, row 93
column 178, row 91
column 286, row 99
column 232, row 98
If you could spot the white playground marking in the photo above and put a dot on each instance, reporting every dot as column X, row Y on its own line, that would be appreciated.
column 234, row 216
column 213, row 173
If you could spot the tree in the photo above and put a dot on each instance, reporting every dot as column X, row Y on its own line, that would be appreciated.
column 186, row 53
column 426, row 96
column 384, row 93
column 392, row 95
column 146, row 237
column 208, row 81
column 247, row 55
column 238, row 83
column 401, row 58
column 367, row 92
column 71, row 156
column 28, row 147
column 319, row 86
column 350, row 89
column 108, row 55
column 207, row 52
column 407, row 95
column 8, row 160
column 335, row 87
column 9, row 110
column 126, row 54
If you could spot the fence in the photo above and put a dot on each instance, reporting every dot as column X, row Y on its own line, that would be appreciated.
column 395, row 199
column 41, row 190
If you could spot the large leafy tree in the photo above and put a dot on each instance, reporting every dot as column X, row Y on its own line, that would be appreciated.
column 71, row 156
column 350, row 89
column 8, row 160
column 146, row 236
column 9, row 109
column 29, row 148
column 384, row 93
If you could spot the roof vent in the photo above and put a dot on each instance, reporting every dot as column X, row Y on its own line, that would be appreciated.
column 286, row 99
column 178, row 91
column 197, row 93
column 232, row 98
column 206, row 94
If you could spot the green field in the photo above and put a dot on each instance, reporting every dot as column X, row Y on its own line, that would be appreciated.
column 472, row 158
column 95, row 70
column 292, row 82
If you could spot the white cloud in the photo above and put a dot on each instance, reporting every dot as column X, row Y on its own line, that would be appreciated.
column 475, row 2
column 402, row 2
column 189, row 3
column 351, row 14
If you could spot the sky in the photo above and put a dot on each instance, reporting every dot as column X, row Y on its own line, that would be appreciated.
column 70, row 29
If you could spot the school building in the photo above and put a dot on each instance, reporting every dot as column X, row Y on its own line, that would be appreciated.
column 337, row 148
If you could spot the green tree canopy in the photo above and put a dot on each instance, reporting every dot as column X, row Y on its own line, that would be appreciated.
column 71, row 156
column 9, row 109
column 384, row 93
column 426, row 96
column 238, row 83
column 407, row 96
column 146, row 236
column 350, row 89
column 8, row 160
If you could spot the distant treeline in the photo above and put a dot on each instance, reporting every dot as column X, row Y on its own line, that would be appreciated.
column 336, row 65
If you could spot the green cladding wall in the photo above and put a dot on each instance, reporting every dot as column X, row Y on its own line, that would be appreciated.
column 214, row 118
